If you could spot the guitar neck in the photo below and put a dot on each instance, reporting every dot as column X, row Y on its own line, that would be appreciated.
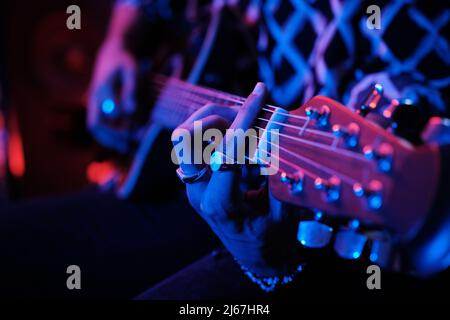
column 176, row 100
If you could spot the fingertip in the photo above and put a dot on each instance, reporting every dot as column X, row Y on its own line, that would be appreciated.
column 259, row 89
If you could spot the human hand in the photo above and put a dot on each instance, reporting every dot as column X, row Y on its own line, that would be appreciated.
column 257, row 229
column 114, row 65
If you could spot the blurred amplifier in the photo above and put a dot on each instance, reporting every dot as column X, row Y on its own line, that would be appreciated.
column 48, row 72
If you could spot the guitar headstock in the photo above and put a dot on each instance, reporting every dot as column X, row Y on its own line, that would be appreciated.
column 334, row 160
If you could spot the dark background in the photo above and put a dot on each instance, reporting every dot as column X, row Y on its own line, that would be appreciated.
column 45, row 72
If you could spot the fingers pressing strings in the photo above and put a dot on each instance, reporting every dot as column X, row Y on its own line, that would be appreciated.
column 211, row 117
column 223, row 188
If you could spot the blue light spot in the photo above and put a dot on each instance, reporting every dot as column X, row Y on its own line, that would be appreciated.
column 318, row 215
column 356, row 255
column 358, row 190
column 384, row 165
column 108, row 106
column 354, row 224
column 373, row 257
column 216, row 161
column 407, row 101
column 333, row 195
column 375, row 202
column 379, row 88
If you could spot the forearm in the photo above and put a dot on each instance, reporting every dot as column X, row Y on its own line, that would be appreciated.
column 124, row 17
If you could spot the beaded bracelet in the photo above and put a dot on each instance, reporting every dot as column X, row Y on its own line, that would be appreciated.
column 269, row 284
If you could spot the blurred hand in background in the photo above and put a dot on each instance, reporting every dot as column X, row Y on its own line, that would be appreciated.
column 113, row 85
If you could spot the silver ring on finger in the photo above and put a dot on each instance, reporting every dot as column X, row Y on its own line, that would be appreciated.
column 191, row 178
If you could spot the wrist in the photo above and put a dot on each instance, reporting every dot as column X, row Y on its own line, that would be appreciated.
column 124, row 17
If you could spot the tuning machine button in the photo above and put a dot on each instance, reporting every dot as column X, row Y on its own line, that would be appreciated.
column 390, row 109
column 330, row 187
column 372, row 100
column 381, row 248
column 349, row 243
column 295, row 181
column 349, row 134
column 383, row 155
column 372, row 194
column 314, row 233
column 322, row 115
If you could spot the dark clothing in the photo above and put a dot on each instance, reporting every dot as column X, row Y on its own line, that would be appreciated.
column 217, row 276
column 121, row 247
column 325, row 47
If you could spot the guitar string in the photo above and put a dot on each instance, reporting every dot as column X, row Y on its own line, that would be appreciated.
column 193, row 96
column 313, row 131
column 351, row 154
column 297, row 168
column 350, row 180
column 201, row 102
column 303, row 129
column 209, row 93
column 318, row 132
column 292, row 165
column 165, row 90
column 188, row 109
column 199, row 89
column 343, row 151
column 288, row 163
column 212, row 96
column 331, row 172
column 323, row 145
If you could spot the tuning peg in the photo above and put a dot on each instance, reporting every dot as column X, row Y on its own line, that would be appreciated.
column 294, row 181
column 372, row 194
column 381, row 248
column 322, row 115
column 330, row 187
column 349, row 244
column 372, row 100
column 313, row 233
column 383, row 155
column 350, row 134
column 390, row 109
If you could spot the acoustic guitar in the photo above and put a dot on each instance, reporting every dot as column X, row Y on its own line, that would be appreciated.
column 365, row 186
